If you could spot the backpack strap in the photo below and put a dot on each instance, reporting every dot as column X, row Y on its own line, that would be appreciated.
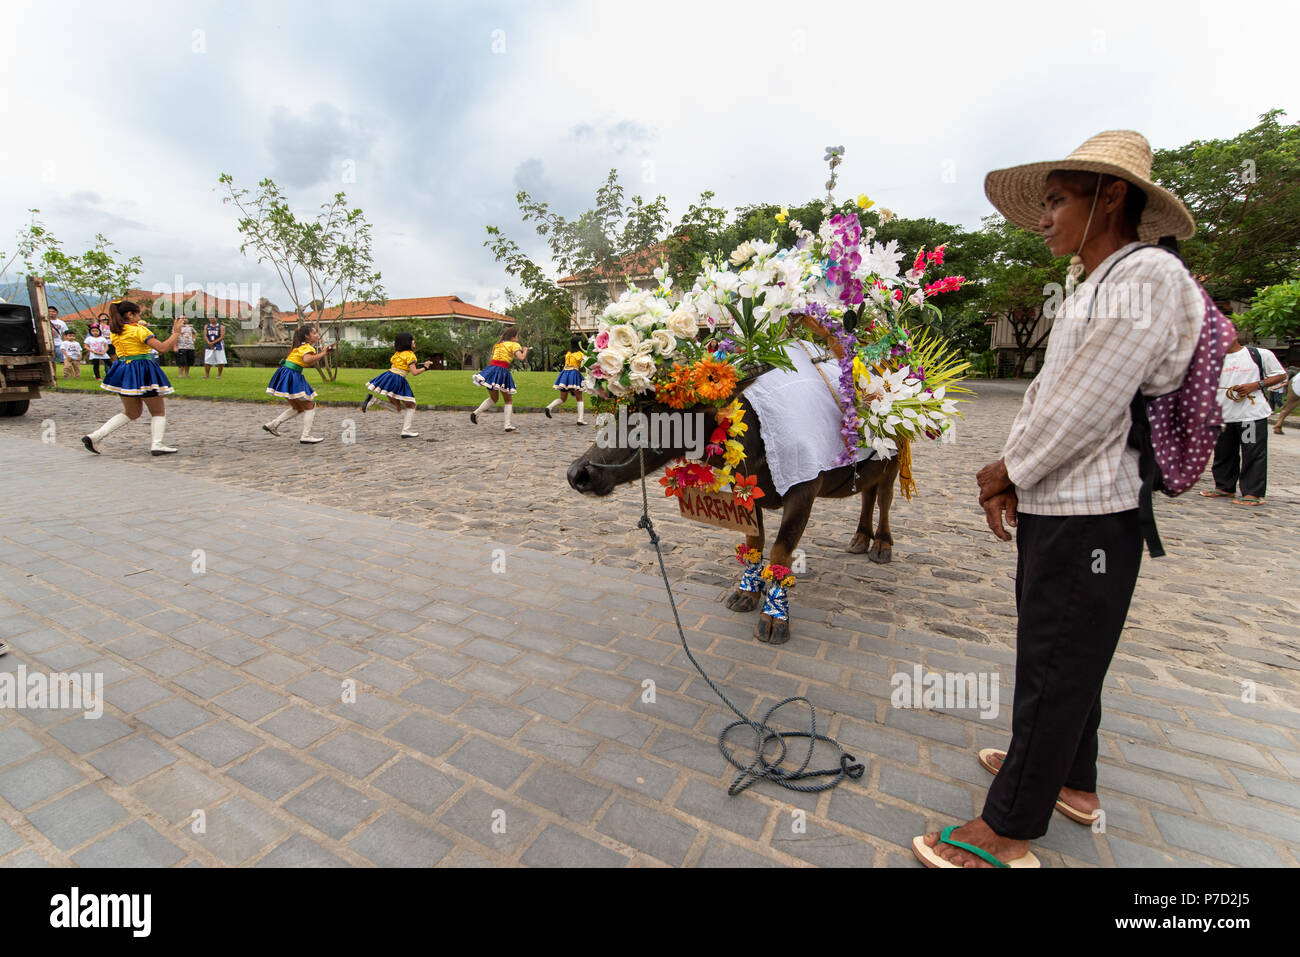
column 1139, row 436
column 1259, row 362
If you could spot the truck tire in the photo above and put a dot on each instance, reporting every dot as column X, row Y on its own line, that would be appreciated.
column 17, row 407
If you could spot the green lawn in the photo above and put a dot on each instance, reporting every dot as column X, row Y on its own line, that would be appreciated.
column 436, row 388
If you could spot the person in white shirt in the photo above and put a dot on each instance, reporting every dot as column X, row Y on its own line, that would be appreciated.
column 71, row 356
column 1068, row 482
column 97, row 343
column 1292, row 403
column 57, row 328
column 1241, row 452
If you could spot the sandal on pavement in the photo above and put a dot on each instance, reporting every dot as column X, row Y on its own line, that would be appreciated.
column 1248, row 500
column 1215, row 493
column 927, row 856
column 1079, row 816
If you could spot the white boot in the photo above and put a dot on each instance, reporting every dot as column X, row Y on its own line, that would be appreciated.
column 508, row 409
column 406, row 423
column 581, row 420
column 483, row 407
column 158, row 428
column 307, row 438
column 274, row 425
column 553, row 405
column 104, row 431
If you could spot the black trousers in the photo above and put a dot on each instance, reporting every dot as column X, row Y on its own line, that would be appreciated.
column 1242, row 452
column 1074, row 579
column 95, row 364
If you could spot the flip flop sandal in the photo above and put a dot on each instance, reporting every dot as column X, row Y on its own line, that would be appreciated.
column 1216, row 493
column 1251, row 500
column 927, row 856
column 986, row 757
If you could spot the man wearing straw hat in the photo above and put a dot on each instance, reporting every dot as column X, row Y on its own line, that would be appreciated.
column 1067, row 481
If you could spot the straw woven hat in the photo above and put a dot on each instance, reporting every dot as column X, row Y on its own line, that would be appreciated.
column 1017, row 192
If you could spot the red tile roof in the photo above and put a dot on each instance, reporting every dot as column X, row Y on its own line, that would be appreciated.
column 211, row 305
column 635, row 265
column 426, row 307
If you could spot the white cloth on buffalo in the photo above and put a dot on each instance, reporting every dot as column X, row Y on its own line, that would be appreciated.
column 800, row 419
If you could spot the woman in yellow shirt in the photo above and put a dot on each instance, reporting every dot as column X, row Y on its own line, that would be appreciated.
column 496, row 376
column 570, row 380
column 136, row 377
column 392, row 385
column 288, row 382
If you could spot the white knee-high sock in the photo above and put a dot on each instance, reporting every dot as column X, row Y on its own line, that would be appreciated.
column 109, row 427
column 157, row 429
column 555, row 403
column 284, row 416
column 485, row 405
column 407, row 417
column 307, row 418
column 580, row 419
column 508, row 409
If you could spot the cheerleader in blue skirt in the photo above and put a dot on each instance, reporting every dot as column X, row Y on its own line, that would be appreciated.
column 570, row 380
column 496, row 376
column 136, row 377
column 288, row 382
column 392, row 385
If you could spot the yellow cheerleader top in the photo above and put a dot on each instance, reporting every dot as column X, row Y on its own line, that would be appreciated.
column 297, row 355
column 131, row 340
column 402, row 361
column 573, row 360
column 505, row 351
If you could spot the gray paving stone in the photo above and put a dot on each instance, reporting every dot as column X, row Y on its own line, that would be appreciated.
column 1263, row 713
column 1216, row 747
column 73, row 819
column 719, row 853
column 493, row 717
column 740, row 814
column 27, row 859
column 209, row 682
column 424, row 735
column 662, row 837
column 1270, row 789
column 384, row 675
column 1139, row 784
column 135, row 695
column 251, row 702
column 928, row 724
column 237, row 830
column 234, row 650
column 9, row 839
column 1245, row 730
column 550, row 702
column 1171, row 763
column 563, row 744
column 175, row 717
column 918, row 789
column 130, row 760
column 82, row 734
column 393, row 646
column 1128, row 727
column 220, row 743
column 353, row 753
column 1230, row 810
column 819, row 845
column 1070, row 839
column 170, row 663
column 341, row 658
column 881, row 820
column 274, row 668
column 1129, row 854
column 559, row 847
column 489, row 762
column 635, row 771
column 397, row 841
column 301, row 851
column 331, row 807
column 606, row 687
column 1215, row 842
column 616, row 725
column 436, row 696
column 178, row 792
column 1117, row 701
column 493, row 822
column 136, row 845
column 298, row 726
column 422, row 787
column 271, row 772
column 15, row 745
column 569, row 796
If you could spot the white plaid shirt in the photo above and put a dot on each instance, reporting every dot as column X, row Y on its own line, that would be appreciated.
column 1067, row 453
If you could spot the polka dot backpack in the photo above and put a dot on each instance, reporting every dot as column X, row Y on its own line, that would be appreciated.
column 1175, row 433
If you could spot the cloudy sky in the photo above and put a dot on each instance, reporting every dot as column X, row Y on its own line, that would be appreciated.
column 120, row 117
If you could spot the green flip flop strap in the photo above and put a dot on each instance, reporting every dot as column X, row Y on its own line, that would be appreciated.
column 977, row 851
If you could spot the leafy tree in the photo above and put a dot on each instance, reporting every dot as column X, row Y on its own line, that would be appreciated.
column 1244, row 194
column 321, row 260
column 1274, row 311
column 542, row 326
column 89, row 279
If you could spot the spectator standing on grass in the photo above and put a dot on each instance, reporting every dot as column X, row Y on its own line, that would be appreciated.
column 214, row 335
column 1241, row 453
column 97, row 342
column 1068, row 482
column 71, row 356
column 58, row 327
column 185, row 350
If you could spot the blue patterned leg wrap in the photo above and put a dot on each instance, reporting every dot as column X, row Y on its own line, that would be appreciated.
column 751, row 579
column 776, row 604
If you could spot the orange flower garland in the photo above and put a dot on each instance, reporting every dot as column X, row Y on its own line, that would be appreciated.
column 714, row 380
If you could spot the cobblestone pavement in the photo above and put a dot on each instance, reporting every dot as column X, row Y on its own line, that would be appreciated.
column 369, row 566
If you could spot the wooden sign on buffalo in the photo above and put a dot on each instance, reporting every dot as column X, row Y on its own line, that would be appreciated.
column 720, row 511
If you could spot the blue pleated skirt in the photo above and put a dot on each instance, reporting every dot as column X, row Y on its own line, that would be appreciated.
column 140, row 377
column 497, row 378
column 289, row 384
column 390, row 385
column 570, row 380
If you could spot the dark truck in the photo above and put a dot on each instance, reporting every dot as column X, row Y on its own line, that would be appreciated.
column 26, row 350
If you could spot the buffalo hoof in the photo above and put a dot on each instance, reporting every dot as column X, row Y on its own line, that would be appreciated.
column 772, row 631
column 859, row 544
column 743, row 600
column 881, row 553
